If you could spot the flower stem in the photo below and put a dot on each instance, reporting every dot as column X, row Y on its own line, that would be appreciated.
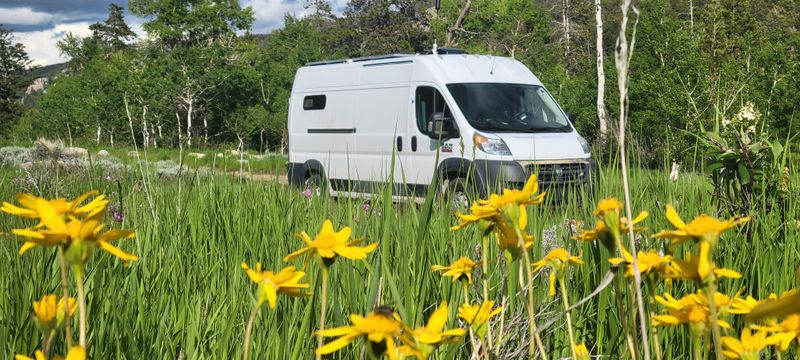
column 485, row 261
column 78, row 270
column 566, row 313
column 249, row 330
column 652, row 299
column 62, row 262
column 324, row 308
column 711, row 290
column 621, row 310
column 471, row 334
column 48, row 340
column 698, row 351
column 534, row 333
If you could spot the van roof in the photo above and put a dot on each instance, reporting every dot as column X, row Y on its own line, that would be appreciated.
column 452, row 67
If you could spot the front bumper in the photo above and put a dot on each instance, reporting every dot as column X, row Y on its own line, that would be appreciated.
column 553, row 176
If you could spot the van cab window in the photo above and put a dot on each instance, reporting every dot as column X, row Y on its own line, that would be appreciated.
column 509, row 107
column 430, row 104
column 314, row 102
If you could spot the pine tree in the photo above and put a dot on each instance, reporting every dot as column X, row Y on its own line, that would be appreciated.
column 113, row 32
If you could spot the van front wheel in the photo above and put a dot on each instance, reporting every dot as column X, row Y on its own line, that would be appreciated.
column 459, row 195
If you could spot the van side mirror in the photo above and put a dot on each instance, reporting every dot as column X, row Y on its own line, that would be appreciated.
column 440, row 126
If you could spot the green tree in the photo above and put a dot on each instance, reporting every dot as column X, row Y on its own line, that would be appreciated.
column 13, row 62
column 113, row 32
column 191, row 22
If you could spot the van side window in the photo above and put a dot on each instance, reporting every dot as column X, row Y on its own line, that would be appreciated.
column 314, row 102
column 428, row 101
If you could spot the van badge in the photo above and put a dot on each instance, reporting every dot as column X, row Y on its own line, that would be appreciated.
column 559, row 173
column 447, row 148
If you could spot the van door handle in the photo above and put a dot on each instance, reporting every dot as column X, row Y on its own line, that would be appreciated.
column 413, row 143
column 399, row 144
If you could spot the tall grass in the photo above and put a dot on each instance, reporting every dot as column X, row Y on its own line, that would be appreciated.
column 187, row 297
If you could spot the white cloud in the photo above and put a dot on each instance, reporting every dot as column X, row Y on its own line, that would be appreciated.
column 23, row 16
column 41, row 45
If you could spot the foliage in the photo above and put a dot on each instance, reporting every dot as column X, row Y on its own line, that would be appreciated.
column 13, row 61
column 686, row 59
column 745, row 165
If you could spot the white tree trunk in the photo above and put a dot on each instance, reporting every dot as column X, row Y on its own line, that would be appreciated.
column 189, row 123
column 98, row 134
column 145, row 132
column 205, row 130
column 601, row 74
column 180, row 132
column 565, row 23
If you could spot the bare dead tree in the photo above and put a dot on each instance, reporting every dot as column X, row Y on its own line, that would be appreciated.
column 457, row 25
column 601, row 74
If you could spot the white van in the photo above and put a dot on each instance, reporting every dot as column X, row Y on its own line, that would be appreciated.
column 491, row 120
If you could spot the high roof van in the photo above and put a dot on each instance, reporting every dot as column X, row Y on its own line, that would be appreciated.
column 490, row 119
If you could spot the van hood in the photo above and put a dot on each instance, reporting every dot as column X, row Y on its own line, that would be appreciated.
column 545, row 146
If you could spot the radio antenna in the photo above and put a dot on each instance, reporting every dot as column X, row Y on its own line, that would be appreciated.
column 436, row 5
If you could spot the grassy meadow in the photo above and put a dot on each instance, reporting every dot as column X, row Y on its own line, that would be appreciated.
column 187, row 296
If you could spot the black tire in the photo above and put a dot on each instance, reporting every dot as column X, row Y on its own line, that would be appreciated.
column 459, row 195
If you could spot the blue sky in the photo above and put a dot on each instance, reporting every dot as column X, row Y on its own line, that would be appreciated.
column 40, row 24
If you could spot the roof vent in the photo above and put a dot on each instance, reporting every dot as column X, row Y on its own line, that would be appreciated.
column 450, row 51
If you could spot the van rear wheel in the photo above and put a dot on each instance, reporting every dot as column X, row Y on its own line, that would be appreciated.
column 459, row 196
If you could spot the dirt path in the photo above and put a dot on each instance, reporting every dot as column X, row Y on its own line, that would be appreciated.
column 281, row 179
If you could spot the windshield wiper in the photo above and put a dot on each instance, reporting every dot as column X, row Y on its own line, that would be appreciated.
column 550, row 129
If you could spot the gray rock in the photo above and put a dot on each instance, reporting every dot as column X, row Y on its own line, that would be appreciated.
column 103, row 153
column 75, row 152
column 133, row 153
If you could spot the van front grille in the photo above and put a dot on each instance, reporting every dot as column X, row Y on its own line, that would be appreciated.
column 559, row 173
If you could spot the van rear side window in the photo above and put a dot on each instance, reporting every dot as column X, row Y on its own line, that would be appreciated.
column 314, row 102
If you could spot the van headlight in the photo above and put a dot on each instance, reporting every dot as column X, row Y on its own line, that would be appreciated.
column 493, row 146
column 584, row 145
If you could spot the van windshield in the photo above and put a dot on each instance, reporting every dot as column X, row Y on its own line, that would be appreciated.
column 509, row 107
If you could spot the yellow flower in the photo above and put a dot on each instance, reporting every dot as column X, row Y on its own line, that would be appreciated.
column 748, row 348
column 461, row 269
column 650, row 262
column 581, row 352
column 478, row 316
column 691, row 269
column 557, row 259
column 329, row 244
column 78, row 236
column 703, row 228
column 74, row 353
column 380, row 328
column 50, row 314
column 506, row 234
column 431, row 335
column 784, row 332
column 741, row 306
column 607, row 205
column 270, row 284
column 30, row 205
column 692, row 310
column 490, row 209
column 788, row 304
column 603, row 233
